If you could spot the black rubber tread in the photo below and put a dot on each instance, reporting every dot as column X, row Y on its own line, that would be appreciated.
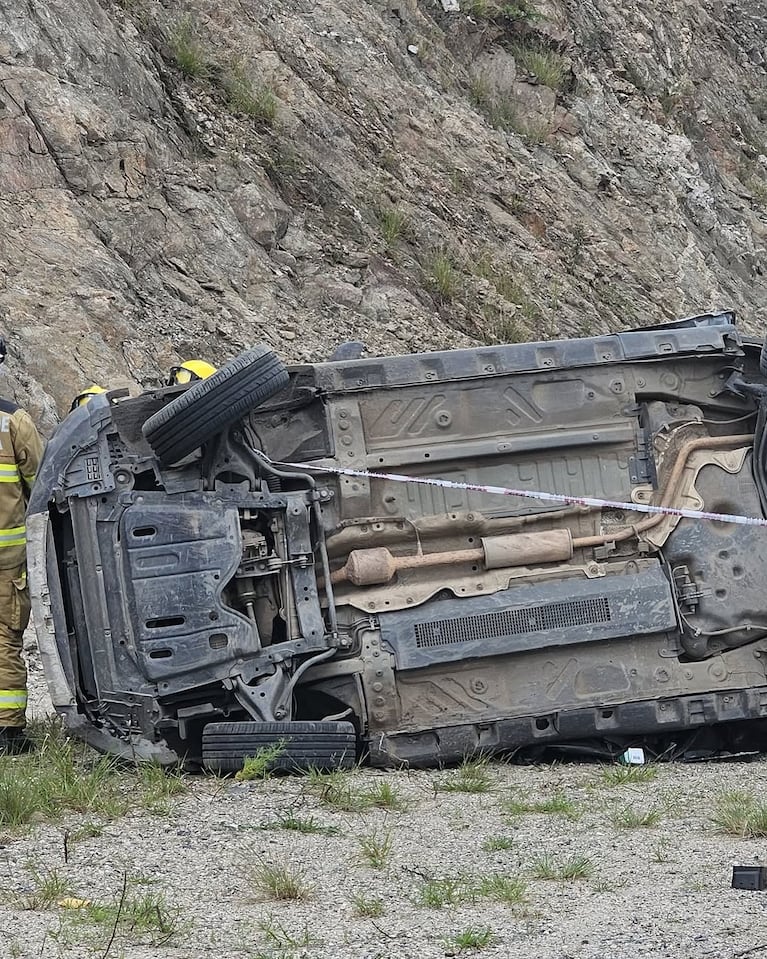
column 211, row 405
column 305, row 745
column 763, row 358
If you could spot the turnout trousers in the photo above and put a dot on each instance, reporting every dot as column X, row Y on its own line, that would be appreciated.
column 14, row 618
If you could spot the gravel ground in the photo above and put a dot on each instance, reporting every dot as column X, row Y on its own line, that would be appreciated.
column 657, row 891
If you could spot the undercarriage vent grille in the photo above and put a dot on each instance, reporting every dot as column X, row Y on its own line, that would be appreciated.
column 513, row 622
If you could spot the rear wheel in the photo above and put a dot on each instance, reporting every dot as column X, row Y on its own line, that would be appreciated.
column 211, row 405
column 298, row 745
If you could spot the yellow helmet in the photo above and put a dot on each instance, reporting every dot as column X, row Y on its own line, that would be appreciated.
column 88, row 393
column 190, row 370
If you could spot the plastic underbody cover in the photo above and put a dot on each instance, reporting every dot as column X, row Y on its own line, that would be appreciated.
column 222, row 588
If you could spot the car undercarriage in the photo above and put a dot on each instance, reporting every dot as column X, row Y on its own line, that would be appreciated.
column 247, row 561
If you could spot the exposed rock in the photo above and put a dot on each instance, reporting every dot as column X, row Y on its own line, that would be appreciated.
column 178, row 185
column 263, row 216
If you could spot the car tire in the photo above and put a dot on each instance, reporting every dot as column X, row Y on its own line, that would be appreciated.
column 211, row 405
column 763, row 358
column 305, row 745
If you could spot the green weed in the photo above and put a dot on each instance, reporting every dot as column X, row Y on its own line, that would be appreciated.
column 473, row 777
column 187, row 49
column 507, row 327
column 278, row 935
column 443, row 276
column 337, row 793
column 61, row 776
column 376, row 849
column 660, row 851
column 498, row 10
column 88, row 830
column 545, row 65
column 558, row 804
column 576, row 867
column 461, row 182
column 385, row 796
column 436, row 893
column 633, row 818
column 504, row 328
column 367, row 908
column 144, row 918
column 574, row 246
column 758, row 190
column 619, row 775
column 480, row 94
column 281, row 882
column 308, row 826
column 505, row 889
column 498, row 843
column 257, row 100
column 470, row 939
column 741, row 814
column 260, row 765
column 393, row 223
column 390, row 161
column 158, row 786
column 48, row 887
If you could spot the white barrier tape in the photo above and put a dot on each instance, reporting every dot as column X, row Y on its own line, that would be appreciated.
column 545, row 497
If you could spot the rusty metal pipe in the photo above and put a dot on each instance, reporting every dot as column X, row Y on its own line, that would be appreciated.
column 527, row 549
column 374, row 567
column 669, row 490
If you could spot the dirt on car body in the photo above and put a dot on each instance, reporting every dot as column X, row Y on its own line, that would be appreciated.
column 243, row 562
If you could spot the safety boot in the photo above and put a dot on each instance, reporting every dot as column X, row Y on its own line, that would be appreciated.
column 14, row 741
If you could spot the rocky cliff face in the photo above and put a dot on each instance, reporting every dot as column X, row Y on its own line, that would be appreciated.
column 185, row 179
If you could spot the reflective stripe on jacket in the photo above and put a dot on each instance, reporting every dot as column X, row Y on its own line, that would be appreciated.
column 13, row 699
column 21, row 450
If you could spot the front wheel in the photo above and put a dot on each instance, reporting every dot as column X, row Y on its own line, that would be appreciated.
column 297, row 746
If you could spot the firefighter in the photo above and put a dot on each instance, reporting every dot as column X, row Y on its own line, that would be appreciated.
column 190, row 370
column 87, row 394
column 20, row 452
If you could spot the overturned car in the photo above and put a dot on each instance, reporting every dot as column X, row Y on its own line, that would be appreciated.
column 246, row 562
